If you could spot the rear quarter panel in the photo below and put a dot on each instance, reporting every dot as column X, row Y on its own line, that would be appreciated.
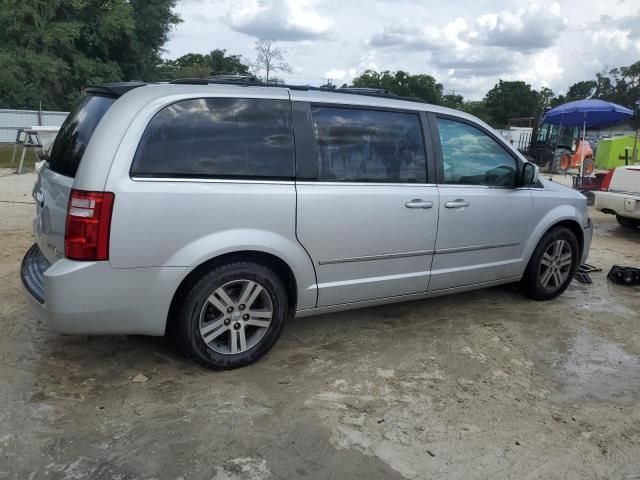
column 183, row 223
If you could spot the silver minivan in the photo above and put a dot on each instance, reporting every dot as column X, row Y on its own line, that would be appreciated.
column 214, row 212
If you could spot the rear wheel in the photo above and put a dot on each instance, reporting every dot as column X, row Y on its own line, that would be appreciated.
column 628, row 222
column 232, row 316
column 552, row 265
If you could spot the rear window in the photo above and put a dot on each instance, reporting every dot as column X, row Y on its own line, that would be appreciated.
column 75, row 133
column 218, row 137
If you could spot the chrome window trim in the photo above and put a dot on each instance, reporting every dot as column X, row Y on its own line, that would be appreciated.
column 376, row 257
column 417, row 253
column 211, row 180
column 365, row 184
column 476, row 247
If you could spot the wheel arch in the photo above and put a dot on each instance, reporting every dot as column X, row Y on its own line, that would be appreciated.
column 269, row 260
column 570, row 223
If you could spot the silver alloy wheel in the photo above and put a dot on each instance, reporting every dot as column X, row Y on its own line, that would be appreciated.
column 235, row 317
column 555, row 265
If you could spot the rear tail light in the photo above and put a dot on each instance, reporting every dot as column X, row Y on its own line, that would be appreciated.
column 606, row 181
column 86, row 235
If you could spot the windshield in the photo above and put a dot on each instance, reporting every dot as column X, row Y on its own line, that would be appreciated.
column 562, row 135
column 75, row 133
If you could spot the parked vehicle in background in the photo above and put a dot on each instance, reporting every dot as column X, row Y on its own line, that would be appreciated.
column 215, row 212
column 620, row 195
column 552, row 144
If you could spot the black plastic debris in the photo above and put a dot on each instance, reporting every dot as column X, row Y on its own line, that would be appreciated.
column 624, row 275
column 582, row 273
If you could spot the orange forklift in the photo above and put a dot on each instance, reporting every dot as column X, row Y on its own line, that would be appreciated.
column 558, row 149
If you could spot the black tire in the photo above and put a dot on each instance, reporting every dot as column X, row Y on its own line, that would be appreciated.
column 588, row 166
column 628, row 222
column 554, row 165
column 187, row 326
column 531, row 283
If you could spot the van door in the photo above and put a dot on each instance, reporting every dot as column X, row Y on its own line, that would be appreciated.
column 366, row 214
column 484, row 219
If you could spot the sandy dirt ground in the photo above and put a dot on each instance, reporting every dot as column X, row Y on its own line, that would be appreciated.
column 486, row 384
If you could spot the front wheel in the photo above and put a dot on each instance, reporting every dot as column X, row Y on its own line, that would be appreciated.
column 552, row 265
column 588, row 166
column 232, row 315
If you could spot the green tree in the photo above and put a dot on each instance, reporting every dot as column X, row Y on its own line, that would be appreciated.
column 196, row 65
column 453, row 100
column 423, row 87
column 329, row 85
column 51, row 49
column 478, row 109
column 580, row 90
column 510, row 99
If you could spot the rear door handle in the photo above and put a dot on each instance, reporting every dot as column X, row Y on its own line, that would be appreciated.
column 419, row 203
column 458, row 203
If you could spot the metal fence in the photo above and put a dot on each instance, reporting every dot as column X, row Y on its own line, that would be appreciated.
column 11, row 120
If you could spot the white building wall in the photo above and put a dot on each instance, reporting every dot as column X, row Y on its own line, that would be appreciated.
column 11, row 120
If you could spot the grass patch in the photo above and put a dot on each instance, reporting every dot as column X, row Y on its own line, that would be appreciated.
column 6, row 151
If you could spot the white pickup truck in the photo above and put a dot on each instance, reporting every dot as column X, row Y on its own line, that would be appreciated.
column 620, row 195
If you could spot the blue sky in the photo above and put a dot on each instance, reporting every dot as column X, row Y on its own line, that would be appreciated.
column 466, row 45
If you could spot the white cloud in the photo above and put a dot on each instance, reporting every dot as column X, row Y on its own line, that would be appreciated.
column 409, row 35
column 531, row 28
column 285, row 20
column 468, row 46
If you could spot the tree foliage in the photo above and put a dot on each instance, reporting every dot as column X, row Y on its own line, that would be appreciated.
column 423, row 87
column 196, row 65
column 510, row 99
column 51, row 49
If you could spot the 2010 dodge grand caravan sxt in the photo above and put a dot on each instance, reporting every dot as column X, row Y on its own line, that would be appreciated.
column 216, row 212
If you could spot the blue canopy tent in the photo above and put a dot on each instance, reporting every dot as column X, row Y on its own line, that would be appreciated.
column 586, row 113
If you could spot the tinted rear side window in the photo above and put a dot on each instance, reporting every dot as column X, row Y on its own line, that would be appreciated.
column 357, row 145
column 218, row 137
column 75, row 133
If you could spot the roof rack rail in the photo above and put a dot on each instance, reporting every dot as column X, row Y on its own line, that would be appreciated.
column 253, row 81
column 231, row 78
column 364, row 90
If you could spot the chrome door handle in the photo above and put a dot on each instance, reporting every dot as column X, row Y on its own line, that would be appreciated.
column 419, row 203
column 457, row 203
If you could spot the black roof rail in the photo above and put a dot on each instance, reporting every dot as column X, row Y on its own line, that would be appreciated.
column 116, row 89
column 190, row 81
column 232, row 79
column 120, row 88
column 251, row 80
column 363, row 90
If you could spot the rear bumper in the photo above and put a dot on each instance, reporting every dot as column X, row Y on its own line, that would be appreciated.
column 623, row 204
column 34, row 264
column 91, row 298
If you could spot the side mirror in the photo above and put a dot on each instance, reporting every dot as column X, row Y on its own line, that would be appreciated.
column 530, row 174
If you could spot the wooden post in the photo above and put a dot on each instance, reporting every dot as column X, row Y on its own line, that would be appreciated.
column 634, row 153
column 24, row 151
